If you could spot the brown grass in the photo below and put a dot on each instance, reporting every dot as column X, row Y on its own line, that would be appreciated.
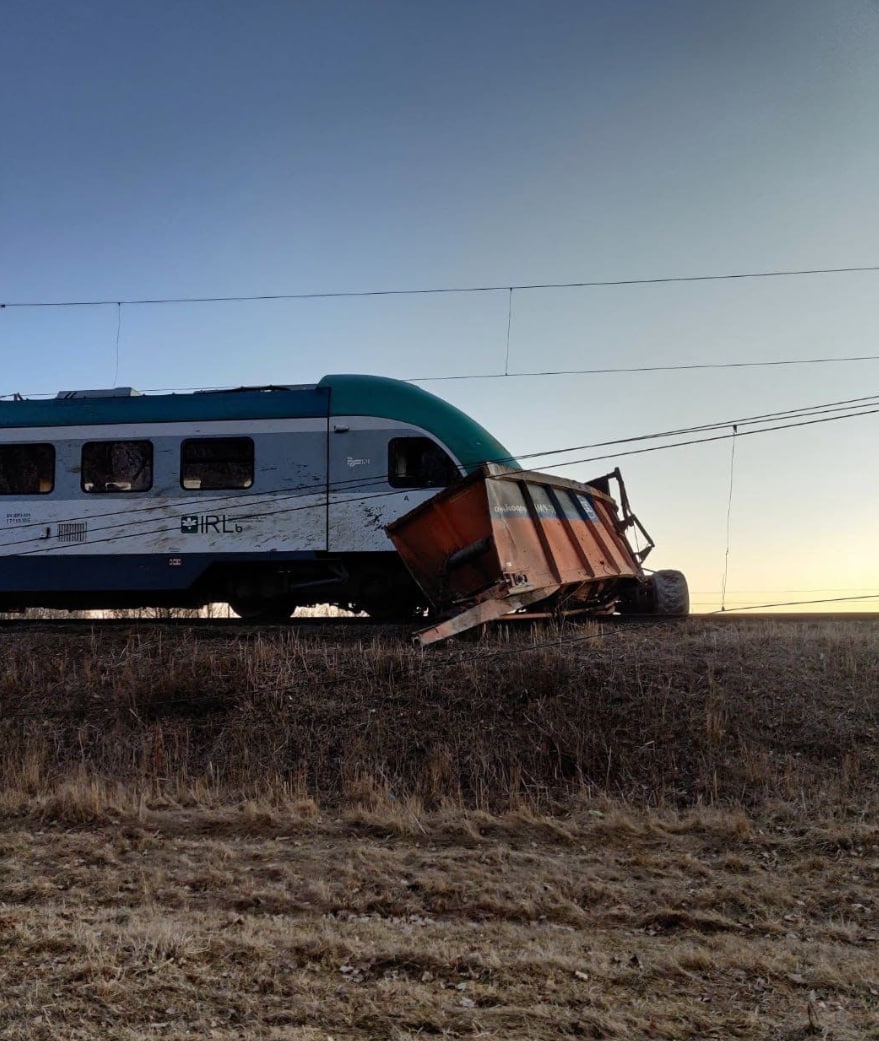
column 659, row 834
column 735, row 714
column 608, row 923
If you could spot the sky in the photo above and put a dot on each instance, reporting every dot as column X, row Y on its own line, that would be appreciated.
column 210, row 148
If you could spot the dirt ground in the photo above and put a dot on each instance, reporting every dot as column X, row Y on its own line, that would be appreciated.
column 305, row 833
column 607, row 922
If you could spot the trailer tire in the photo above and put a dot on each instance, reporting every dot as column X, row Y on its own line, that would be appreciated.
column 670, row 595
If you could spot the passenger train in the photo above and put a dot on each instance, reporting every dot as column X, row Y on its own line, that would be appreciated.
column 263, row 497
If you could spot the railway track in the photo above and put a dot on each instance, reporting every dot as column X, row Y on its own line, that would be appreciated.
column 204, row 626
column 360, row 627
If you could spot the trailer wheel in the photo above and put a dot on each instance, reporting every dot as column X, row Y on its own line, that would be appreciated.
column 669, row 594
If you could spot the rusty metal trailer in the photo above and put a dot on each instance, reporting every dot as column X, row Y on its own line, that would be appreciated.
column 503, row 541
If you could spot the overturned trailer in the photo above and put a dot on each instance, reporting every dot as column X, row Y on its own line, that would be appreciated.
column 503, row 541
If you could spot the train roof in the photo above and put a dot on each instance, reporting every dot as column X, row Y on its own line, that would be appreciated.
column 339, row 395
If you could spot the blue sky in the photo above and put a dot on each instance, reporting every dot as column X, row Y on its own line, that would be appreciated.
column 210, row 148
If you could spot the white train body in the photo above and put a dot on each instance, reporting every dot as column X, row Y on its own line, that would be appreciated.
column 267, row 498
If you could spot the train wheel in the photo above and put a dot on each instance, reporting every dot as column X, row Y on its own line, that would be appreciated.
column 391, row 611
column 261, row 610
column 382, row 596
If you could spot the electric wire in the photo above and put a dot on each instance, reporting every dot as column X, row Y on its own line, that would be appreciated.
column 620, row 370
column 351, row 487
column 777, row 592
column 446, row 290
column 798, row 603
column 216, row 503
column 230, row 499
column 796, row 416
column 716, row 437
column 171, row 525
column 792, row 413
column 510, row 289
column 615, row 370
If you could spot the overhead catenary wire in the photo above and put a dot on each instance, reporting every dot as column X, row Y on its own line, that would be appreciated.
column 822, row 408
column 791, row 413
column 751, row 593
column 510, row 289
column 621, row 370
column 313, row 490
column 716, row 437
column 707, row 440
column 798, row 603
column 229, row 498
column 341, row 294
column 352, row 485
column 611, row 370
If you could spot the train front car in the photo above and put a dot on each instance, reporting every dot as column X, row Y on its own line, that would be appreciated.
column 265, row 497
column 392, row 446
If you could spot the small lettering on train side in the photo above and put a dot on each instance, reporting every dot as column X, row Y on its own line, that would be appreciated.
column 16, row 518
column 209, row 524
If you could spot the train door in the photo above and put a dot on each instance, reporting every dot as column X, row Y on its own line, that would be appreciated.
column 378, row 472
column 285, row 508
column 301, row 459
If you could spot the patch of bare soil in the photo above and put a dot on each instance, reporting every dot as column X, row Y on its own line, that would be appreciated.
column 605, row 923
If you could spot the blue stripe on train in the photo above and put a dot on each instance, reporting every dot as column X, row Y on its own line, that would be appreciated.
column 123, row 572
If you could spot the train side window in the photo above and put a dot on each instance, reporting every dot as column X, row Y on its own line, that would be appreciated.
column 117, row 466
column 27, row 469
column 418, row 462
column 216, row 462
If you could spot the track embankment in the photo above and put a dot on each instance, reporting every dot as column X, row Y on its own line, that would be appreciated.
column 629, row 832
column 692, row 713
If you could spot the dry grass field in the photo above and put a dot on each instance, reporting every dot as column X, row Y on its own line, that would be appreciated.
column 314, row 834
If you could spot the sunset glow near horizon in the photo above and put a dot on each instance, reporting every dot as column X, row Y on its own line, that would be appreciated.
column 211, row 149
